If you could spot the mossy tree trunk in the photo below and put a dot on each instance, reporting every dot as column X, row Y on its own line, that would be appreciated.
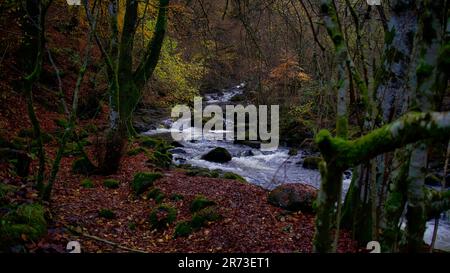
column 125, row 84
column 331, row 186
column 428, row 83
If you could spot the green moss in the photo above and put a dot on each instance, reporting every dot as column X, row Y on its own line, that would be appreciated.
column 201, row 202
column 162, row 216
column 176, row 197
column 196, row 171
column 389, row 36
column 149, row 142
column 87, row 183
column 311, row 163
column 160, row 198
column 63, row 123
column 106, row 213
column 32, row 215
column 153, row 193
column 183, row 229
column 132, row 226
column 91, row 128
column 71, row 148
column 342, row 127
column 82, row 166
column 424, row 71
column 157, row 195
column 202, row 217
column 144, row 180
column 111, row 183
column 337, row 39
column 394, row 202
column 233, row 176
column 27, row 222
column 161, row 159
column 6, row 189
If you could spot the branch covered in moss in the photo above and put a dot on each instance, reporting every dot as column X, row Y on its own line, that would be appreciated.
column 410, row 128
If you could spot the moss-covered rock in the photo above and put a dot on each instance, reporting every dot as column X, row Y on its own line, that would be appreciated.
column 161, row 159
column 26, row 223
column 83, row 166
column 176, row 197
column 233, row 176
column 311, row 162
column 153, row 193
column 201, row 202
column 293, row 197
column 183, row 229
column 87, row 183
column 219, row 155
column 157, row 195
column 111, row 183
column 162, row 216
column 106, row 213
column 203, row 172
column 144, row 180
column 202, row 217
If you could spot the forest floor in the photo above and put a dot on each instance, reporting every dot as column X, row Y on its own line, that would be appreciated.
column 248, row 224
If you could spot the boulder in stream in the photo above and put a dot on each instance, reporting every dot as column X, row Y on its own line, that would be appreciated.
column 311, row 163
column 293, row 197
column 219, row 155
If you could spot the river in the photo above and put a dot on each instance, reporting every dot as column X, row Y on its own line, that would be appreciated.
column 267, row 169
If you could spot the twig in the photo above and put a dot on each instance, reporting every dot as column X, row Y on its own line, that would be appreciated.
column 84, row 234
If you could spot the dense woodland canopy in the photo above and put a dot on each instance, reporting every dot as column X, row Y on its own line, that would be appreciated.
column 363, row 87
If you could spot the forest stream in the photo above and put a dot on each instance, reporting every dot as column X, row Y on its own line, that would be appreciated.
column 267, row 169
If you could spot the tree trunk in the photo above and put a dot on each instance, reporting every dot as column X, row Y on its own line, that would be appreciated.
column 125, row 85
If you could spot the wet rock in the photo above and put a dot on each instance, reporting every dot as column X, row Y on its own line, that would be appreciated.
column 247, row 153
column 293, row 197
column 176, row 144
column 293, row 152
column 347, row 174
column 311, row 163
column 219, row 155
column 149, row 119
column 177, row 151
